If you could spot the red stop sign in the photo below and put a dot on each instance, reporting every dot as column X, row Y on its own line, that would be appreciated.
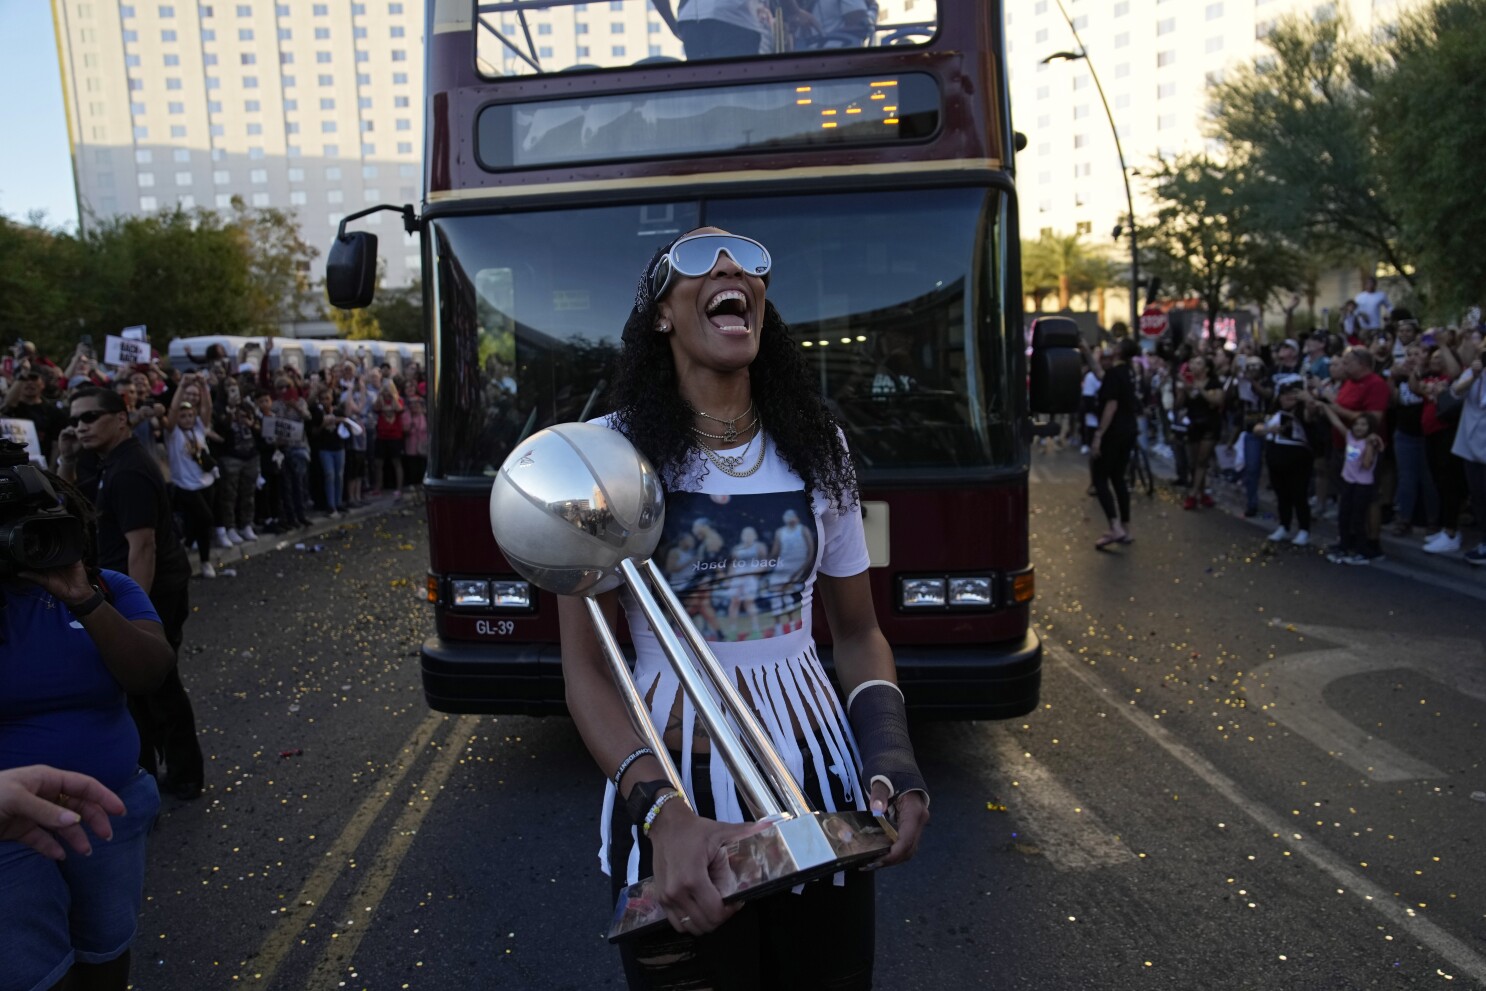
column 1153, row 322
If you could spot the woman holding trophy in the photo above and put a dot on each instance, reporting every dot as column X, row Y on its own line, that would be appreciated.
column 713, row 392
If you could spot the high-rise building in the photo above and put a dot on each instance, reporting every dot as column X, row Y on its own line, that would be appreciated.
column 310, row 107
column 1156, row 60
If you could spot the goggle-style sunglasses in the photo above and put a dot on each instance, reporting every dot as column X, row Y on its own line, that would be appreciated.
column 696, row 254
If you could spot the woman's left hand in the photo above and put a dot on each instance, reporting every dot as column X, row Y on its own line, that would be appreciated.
column 911, row 816
column 68, row 584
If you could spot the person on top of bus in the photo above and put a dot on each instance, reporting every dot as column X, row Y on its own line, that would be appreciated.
column 712, row 390
column 711, row 29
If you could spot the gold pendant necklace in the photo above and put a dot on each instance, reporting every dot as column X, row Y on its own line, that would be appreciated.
column 729, row 464
column 730, row 431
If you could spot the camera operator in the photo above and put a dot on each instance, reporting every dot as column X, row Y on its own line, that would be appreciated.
column 75, row 641
column 136, row 535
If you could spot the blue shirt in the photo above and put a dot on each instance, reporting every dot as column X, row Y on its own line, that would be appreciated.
column 59, row 704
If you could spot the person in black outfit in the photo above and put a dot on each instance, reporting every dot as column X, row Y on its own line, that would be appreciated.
column 1114, row 439
column 136, row 536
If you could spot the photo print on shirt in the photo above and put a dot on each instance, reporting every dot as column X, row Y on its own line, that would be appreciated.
column 739, row 562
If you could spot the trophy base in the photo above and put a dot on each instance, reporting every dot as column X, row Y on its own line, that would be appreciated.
column 783, row 854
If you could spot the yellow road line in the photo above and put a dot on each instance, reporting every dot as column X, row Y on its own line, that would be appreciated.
column 340, row 949
column 292, row 921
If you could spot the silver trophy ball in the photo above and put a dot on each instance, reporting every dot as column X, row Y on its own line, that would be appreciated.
column 573, row 501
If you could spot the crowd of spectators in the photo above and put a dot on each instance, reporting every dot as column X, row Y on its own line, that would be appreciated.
column 247, row 447
column 1377, row 424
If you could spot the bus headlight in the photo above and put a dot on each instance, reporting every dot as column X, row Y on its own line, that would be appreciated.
column 470, row 593
column 975, row 591
column 922, row 593
column 511, row 595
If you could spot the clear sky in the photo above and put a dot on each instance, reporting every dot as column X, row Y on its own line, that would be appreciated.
column 35, row 169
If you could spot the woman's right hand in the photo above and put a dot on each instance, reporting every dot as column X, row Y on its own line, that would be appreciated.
column 688, row 860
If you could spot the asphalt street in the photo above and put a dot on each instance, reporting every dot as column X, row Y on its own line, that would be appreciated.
column 1251, row 769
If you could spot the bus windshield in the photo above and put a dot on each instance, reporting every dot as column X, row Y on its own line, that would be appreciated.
column 893, row 297
column 535, row 37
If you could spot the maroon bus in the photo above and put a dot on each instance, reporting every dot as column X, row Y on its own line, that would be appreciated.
column 873, row 157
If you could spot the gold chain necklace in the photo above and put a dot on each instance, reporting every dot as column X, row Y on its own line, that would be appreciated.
column 729, row 464
column 724, row 437
column 731, row 432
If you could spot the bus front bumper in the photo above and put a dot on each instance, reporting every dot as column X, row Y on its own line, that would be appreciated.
column 992, row 681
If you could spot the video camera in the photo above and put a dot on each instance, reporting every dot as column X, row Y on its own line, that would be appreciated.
column 36, row 531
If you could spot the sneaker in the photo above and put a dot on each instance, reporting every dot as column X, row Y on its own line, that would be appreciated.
column 221, row 537
column 1445, row 544
column 1301, row 538
column 1356, row 559
column 1207, row 501
column 248, row 535
column 1190, row 502
column 1430, row 538
column 1477, row 556
column 1083, row 449
column 234, row 536
column 334, row 514
column 207, row 571
column 1280, row 533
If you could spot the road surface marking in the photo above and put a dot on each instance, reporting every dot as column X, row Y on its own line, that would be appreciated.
column 339, row 953
column 1292, row 689
column 1464, row 959
column 293, row 917
column 1067, row 832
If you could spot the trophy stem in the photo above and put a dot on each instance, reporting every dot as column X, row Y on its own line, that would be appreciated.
column 639, row 712
column 762, row 800
column 765, row 756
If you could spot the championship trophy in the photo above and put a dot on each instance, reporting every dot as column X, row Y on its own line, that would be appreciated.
column 578, row 511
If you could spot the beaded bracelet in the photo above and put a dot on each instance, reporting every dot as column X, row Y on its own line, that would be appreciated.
column 624, row 764
column 655, row 810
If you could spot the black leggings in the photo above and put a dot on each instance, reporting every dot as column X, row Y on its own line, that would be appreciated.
column 195, row 506
column 824, row 937
column 1290, row 474
column 1111, row 469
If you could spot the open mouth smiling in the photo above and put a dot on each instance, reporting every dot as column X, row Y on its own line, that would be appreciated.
column 728, row 310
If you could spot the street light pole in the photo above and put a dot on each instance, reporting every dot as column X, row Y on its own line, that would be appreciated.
column 1083, row 54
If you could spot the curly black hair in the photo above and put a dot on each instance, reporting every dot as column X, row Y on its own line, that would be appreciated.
column 648, row 408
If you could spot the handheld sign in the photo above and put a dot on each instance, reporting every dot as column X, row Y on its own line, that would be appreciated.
column 23, row 432
column 135, row 333
column 125, row 351
column 282, row 430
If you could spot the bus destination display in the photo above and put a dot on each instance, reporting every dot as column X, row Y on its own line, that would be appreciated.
column 774, row 116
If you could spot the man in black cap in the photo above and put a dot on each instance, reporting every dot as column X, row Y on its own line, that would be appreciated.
column 136, row 535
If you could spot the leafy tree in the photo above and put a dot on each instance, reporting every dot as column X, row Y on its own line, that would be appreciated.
column 1063, row 264
column 1300, row 119
column 356, row 325
column 399, row 312
column 1208, row 238
column 279, row 265
column 1430, row 132
column 42, row 285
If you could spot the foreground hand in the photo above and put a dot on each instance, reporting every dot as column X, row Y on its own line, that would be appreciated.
column 68, row 584
column 909, row 813
column 688, row 862
column 37, row 801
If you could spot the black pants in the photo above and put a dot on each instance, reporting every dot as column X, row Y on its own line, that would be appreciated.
column 1449, row 476
column 1111, row 469
column 195, row 505
column 1290, row 474
column 166, row 721
column 821, row 938
column 1351, row 515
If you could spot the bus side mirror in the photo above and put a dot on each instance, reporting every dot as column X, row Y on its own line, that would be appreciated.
column 351, row 270
column 1056, row 368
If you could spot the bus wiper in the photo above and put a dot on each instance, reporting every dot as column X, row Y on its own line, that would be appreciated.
column 592, row 398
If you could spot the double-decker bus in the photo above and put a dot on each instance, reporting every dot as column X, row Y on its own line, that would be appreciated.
column 874, row 160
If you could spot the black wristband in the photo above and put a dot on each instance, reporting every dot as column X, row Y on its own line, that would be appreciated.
column 880, row 722
column 642, row 796
column 89, row 604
